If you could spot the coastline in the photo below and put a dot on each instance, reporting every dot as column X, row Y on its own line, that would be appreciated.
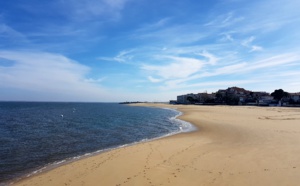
column 54, row 165
column 183, row 125
column 233, row 146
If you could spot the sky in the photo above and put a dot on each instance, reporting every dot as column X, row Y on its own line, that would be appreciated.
column 146, row 50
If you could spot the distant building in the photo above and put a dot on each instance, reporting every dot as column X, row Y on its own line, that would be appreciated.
column 237, row 95
column 265, row 100
column 259, row 94
column 295, row 96
column 222, row 92
column 182, row 99
column 186, row 99
column 233, row 95
column 172, row 102
column 237, row 91
column 205, row 97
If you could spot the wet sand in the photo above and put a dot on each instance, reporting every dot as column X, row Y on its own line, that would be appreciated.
column 232, row 146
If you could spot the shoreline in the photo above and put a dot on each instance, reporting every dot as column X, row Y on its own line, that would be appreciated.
column 49, row 167
column 233, row 146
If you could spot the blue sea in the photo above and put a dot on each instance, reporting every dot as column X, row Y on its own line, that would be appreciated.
column 37, row 135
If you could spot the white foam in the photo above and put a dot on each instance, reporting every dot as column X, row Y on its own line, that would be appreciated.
column 184, row 126
column 59, row 162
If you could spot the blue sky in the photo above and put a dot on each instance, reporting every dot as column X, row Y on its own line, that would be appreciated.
column 127, row 50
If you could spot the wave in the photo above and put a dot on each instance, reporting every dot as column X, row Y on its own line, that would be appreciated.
column 184, row 126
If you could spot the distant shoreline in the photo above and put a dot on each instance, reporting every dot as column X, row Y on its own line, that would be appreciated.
column 234, row 146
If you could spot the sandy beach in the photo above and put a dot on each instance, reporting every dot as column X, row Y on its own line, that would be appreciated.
column 232, row 146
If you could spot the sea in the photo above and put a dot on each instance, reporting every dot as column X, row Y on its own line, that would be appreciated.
column 37, row 136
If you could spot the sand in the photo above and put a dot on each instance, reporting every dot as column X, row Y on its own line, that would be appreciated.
column 232, row 146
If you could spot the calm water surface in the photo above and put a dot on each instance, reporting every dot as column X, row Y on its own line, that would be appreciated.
column 35, row 135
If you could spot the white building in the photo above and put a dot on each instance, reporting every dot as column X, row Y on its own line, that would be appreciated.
column 265, row 100
column 183, row 99
column 295, row 96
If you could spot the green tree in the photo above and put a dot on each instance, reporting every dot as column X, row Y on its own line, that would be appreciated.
column 231, row 100
column 279, row 94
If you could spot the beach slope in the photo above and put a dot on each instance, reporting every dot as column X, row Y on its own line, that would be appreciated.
column 232, row 146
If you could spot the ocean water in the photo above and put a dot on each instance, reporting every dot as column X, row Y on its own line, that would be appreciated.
column 34, row 136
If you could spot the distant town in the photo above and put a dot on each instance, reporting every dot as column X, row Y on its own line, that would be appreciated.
column 240, row 96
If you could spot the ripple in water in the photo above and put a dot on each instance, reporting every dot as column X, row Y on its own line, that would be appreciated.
column 33, row 135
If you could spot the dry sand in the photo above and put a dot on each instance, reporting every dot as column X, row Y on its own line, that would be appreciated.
column 233, row 146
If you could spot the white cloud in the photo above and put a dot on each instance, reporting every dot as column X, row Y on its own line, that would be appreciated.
column 123, row 57
column 212, row 60
column 248, row 41
column 228, row 17
column 169, row 35
column 92, row 80
column 230, row 69
column 180, row 67
column 172, row 52
column 49, row 77
column 224, row 20
column 275, row 64
column 220, row 84
column 243, row 67
column 275, row 61
column 226, row 37
column 202, row 85
column 256, row 48
column 154, row 80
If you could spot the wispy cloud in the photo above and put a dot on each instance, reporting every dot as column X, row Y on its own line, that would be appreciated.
column 225, row 43
column 155, row 25
column 242, row 68
column 226, row 37
column 275, row 61
column 208, row 84
column 248, row 43
column 124, row 56
column 212, row 60
column 180, row 67
column 248, row 67
column 92, row 80
column 48, row 74
column 8, row 32
column 224, row 20
column 172, row 34
column 256, row 48
column 74, row 25
column 191, row 54
column 91, row 9
column 154, row 80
